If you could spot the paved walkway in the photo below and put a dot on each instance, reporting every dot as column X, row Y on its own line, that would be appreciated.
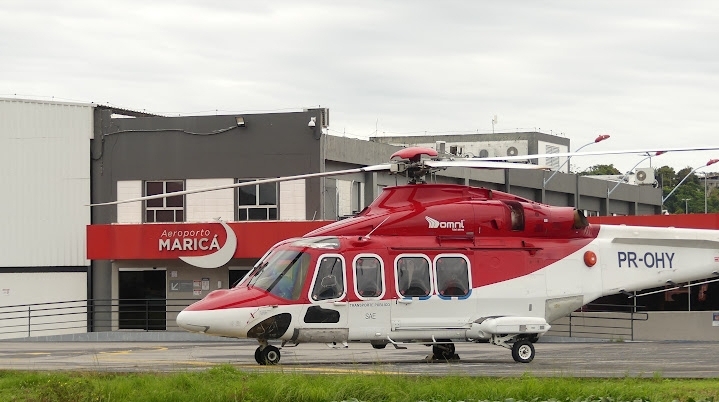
column 581, row 359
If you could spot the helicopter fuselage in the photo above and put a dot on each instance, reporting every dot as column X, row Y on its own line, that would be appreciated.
column 433, row 263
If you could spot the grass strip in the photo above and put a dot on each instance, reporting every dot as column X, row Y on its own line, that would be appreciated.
column 225, row 383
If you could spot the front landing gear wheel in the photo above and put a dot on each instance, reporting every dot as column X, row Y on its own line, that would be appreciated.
column 523, row 351
column 443, row 351
column 270, row 355
column 267, row 355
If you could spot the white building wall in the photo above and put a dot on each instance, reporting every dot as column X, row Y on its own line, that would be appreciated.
column 66, row 291
column 207, row 206
column 132, row 211
column 45, row 182
column 292, row 200
column 475, row 148
column 344, row 197
column 361, row 197
column 542, row 149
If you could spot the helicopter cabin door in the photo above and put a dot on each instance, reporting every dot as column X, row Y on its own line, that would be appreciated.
column 433, row 295
column 369, row 315
column 325, row 318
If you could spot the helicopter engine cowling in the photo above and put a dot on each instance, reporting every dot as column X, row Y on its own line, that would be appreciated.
column 558, row 220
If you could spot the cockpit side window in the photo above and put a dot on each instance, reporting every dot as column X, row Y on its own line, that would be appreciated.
column 329, row 279
column 413, row 276
column 368, row 277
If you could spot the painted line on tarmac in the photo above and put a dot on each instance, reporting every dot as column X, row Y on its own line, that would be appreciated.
column 328, row 370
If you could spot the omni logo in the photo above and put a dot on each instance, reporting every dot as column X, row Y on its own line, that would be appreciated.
column 435, row 224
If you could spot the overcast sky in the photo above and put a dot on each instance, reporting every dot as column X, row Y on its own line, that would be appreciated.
column 645, row 72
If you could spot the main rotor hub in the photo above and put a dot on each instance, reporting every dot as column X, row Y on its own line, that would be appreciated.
column 410, row 162
column 413, row 154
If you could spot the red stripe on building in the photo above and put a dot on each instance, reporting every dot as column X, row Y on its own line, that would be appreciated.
column 152, row 241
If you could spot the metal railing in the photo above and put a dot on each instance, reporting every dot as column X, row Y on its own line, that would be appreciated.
column 96, row 315
column 602, row 321
column 78, row 316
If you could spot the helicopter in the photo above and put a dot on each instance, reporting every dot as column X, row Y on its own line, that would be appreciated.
column 435, row 264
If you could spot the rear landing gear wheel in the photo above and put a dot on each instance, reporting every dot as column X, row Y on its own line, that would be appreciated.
column 523, row 351
column 268, row 355
column 443, row 351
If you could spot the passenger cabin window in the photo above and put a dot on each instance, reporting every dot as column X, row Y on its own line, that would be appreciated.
column 368, row 277
column 413, row 277
column 329, row 282
column 452, row 276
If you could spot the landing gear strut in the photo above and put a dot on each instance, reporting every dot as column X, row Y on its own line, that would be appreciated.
column 443, row 351
column 522, row 348
column 267, row 355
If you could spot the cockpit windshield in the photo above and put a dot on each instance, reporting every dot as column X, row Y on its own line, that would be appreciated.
column 282, row 273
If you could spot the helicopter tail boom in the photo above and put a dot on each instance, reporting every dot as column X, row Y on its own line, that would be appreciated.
column 636, row 258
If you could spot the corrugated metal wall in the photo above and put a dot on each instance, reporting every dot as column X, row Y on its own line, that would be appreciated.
column 45, row 183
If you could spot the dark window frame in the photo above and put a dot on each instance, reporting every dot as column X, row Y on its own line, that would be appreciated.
column 166, row 206
column 257, row 211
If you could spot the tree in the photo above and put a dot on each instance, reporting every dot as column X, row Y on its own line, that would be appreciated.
column 600, row 170
column 684, row 172
column 690, row 195
column 666, row 177
column 691, row 190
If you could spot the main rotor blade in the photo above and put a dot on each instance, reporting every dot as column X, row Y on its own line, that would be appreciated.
column 587, row 153
column 485, row 164
column 373, row 168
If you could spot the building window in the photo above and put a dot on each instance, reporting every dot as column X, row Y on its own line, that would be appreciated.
column 167, row 209
column 257, row 202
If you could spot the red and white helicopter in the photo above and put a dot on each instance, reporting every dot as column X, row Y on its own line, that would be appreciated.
column 439, row 263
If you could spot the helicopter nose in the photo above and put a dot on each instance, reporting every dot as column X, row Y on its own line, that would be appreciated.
column 192, row 321
column 222, row 322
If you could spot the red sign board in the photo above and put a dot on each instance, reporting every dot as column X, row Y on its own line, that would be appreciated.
column 154, row 241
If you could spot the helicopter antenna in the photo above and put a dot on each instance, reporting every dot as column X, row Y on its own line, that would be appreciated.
column 376, row 227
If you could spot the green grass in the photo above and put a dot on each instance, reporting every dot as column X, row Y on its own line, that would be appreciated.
column 225, row 383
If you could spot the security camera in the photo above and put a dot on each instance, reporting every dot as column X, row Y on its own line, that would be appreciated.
column 312, row 122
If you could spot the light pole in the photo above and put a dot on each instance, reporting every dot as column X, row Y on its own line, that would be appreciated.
column 600, row 138
column 649, row 156
column 711, row 162
column 705, row 192
column 686, row 205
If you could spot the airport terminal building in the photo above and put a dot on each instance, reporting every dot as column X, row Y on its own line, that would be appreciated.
column 164, row 254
